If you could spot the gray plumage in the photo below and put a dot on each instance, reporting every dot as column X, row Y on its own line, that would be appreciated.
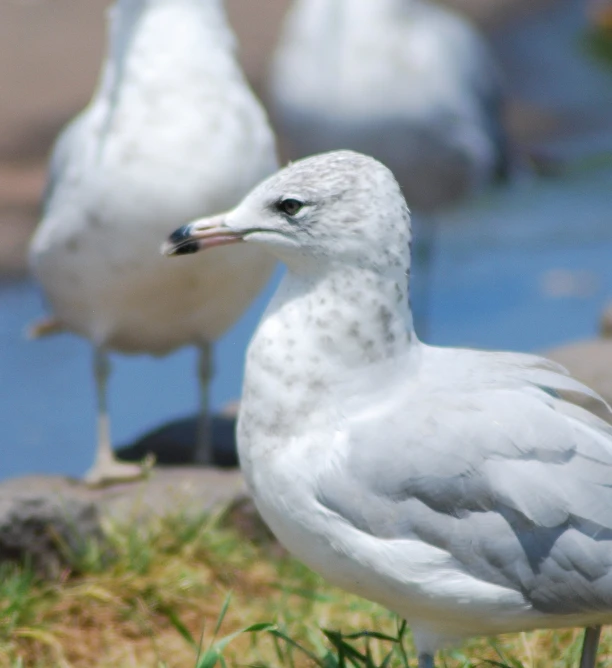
column 523, row 497
column 465, row 490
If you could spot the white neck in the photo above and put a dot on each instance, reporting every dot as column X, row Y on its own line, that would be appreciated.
column 159, row 40
column 313, row 333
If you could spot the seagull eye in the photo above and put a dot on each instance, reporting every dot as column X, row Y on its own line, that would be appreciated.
column 289, row 206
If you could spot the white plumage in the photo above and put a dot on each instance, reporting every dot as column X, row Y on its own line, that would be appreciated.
column 172, row 132
column 462, row 489
column 407, row 81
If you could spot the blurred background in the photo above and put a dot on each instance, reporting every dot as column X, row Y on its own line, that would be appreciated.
column 527, row 267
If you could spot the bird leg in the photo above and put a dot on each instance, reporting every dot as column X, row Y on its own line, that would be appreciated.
column 426, row 661
column 107, row 469
column 589, row 646
column 204, row 446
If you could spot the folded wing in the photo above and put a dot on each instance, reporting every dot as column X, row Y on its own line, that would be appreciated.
column 485, row 456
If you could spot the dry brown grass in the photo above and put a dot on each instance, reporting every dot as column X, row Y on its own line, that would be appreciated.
column 170, row 579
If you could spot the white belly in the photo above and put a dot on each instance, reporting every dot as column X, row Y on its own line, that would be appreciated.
column 97, row 256
column 117, row 290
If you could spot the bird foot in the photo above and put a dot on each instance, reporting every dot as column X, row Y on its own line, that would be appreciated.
column 45, row 327
column 103, row 474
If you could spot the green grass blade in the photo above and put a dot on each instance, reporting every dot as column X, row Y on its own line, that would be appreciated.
column 293, row 643
column 387, row 660
column 176, row 622
column 214, row 653
column 370, row 634
column 401, row 636
column 259, row 627
column 222, row 614
column 355, row 657
column 208, row 659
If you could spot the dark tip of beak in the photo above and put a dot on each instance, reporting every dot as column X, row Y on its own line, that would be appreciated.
column 186, row 248
column 180, row 242
column 182, row 234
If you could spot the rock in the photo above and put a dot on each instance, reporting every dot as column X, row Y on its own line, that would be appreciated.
column 174, row 443
column 46, row 519
column 165, row 491
column 170, row 490
column 47, row 527
column 605, row 323
column 50, row 519
column 591, row 363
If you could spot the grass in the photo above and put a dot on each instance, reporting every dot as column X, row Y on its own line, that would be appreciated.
column 159, row 598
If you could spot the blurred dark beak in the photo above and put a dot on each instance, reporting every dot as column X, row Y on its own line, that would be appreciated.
column 200, row 235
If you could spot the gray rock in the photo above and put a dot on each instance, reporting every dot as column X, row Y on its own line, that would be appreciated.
column 50, row 519
column 49, row 528
column 170, row 490
column 591, row 363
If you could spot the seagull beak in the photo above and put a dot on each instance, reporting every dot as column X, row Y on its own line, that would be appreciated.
column 200, row 235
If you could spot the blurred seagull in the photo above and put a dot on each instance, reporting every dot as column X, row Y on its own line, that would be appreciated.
column 464, row 490
column 407, row 81
column 172, row 132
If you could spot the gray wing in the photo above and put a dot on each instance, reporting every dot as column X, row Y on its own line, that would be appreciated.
column 496, row 468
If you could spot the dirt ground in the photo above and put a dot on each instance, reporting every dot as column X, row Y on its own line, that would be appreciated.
column 50, row 53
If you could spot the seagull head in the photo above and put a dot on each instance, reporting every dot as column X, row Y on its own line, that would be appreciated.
column 338, row 207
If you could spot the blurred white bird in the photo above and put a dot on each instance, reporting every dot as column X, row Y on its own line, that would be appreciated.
column 407, row 81
column 172, row 132
column 465, row 490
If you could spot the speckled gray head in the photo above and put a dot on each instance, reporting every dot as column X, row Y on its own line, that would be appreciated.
column 335, row 207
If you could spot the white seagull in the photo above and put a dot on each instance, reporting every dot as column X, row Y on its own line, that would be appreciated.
column 462, row 489
column 407, row 81
column 173, row 132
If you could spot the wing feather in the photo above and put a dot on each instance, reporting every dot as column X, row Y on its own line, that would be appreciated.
column 484, row 455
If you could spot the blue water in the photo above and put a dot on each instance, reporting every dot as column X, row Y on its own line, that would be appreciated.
column 487, row 290
column 47, row 393
column 495, row 260
column 488, row 283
